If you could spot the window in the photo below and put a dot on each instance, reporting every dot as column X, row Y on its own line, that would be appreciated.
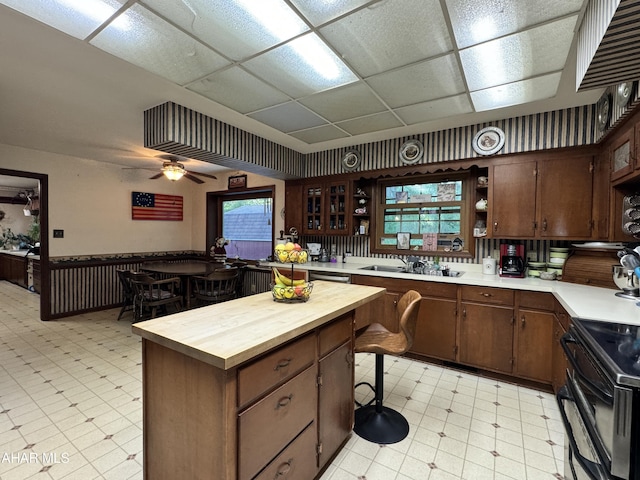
column 245, row 220
column 426, row 214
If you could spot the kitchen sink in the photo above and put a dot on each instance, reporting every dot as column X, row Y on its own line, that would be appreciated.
column 402, row 269
column 385, row 268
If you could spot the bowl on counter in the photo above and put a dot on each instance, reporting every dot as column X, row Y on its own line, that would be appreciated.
column 548, row 275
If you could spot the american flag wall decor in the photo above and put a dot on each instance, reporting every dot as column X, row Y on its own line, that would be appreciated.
column 156, row 206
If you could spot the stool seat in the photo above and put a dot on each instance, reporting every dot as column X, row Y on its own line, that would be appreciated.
column 378, row 423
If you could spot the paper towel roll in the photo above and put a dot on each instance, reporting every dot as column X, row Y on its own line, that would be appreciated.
column 489, row 266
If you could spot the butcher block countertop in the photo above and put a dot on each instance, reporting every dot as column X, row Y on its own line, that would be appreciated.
column 230, row 333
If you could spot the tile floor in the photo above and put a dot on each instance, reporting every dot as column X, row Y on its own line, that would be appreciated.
column 71, row 408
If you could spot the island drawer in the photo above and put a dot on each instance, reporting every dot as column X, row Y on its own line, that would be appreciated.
column 335, row 334
column 297, row 461
column 266, row 427
column 496, row 296
column 274, row 368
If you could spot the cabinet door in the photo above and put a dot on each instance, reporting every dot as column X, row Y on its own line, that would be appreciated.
column 381, row 310
column 512, row 203
column 486, row 336
column 313, row 208
column 621, row 152
column 335, row 408
column 337, row 208
column 559, row 360
column 293, row 207
column 436, row 329
column 565, row 193
column 533, row 345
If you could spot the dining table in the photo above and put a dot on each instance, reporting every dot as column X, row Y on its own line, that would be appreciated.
column 184, row 271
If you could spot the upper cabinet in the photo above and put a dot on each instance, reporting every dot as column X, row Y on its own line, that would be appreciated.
column 327, row 208
column 550, row 197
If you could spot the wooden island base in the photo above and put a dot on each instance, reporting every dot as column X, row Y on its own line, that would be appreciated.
column 251, row 388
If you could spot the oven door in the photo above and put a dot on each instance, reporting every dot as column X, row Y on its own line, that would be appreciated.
column 604, row 408
column 581, row 461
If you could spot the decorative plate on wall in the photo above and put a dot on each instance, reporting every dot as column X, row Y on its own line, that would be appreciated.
column 603, row 111
column 411, row 152
column 623, row 93
column 488, row 141
column 351, row 160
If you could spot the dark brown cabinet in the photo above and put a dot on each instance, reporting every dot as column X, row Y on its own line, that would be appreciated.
column 549, row 198
column 327, row 208
column 533, row 336
column 13, row 269
column 381, row 310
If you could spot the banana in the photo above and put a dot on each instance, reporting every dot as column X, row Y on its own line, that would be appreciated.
column 286, row 280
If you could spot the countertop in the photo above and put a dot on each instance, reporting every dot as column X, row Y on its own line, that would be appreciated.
column 230, row 333
column 580, row 301
column 20, row 253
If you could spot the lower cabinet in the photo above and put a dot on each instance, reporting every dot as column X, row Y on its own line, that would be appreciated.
column 296, row 405
column 559, row 359
column 533, row 340
column 13, row 269
column 497, row 329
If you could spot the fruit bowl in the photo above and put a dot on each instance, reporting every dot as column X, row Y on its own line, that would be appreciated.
column 290, row 253
column 291, row 293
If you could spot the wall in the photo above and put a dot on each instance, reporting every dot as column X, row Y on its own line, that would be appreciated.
column 91, row 202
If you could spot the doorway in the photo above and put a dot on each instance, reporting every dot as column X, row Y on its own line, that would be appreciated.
column 43, row 187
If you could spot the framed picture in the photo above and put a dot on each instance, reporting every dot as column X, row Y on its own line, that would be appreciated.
column 403, row 242
column 402, row 197
column 238, row 181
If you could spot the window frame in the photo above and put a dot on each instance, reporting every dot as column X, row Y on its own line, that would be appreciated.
column 214, row 215
column 466, row 213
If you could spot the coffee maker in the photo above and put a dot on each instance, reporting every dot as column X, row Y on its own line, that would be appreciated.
column 512, row 260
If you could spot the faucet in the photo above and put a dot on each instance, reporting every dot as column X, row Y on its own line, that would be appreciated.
column 407, row 266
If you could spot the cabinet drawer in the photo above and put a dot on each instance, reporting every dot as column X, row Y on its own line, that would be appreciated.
column 265, row 428
column 297, row 461
column 274, row 368
column 537, row 301
column 334, row 335
column 436, row 289
column 495, row 296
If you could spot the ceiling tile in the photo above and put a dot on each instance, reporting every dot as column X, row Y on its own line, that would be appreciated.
column 372, row 123
column 77, row 20
column 270, row 23
column 516, row 57
column 538, row 88
column 441, row 108
column 476, row 21
column 301, row 67
column 319, row 134
column 239, row 90
column 350, row 101
column 155, row 45
column 288, row 117
column 427, row 80
column 390, row 34
column 321, row 12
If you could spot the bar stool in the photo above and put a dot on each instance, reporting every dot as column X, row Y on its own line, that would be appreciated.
column 377, row 423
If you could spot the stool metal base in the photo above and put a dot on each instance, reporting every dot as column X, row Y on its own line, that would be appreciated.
column 384, row 427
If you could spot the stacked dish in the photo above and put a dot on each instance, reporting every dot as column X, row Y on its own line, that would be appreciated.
column 535, row 268
column 557, row 257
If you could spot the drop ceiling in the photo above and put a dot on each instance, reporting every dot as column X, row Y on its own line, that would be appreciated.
column 308, row 74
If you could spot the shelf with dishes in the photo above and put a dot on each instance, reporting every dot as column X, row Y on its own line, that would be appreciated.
column 481, row 206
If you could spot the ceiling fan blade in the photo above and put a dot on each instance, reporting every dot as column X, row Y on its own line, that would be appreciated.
column 157, row 175
column 192, row 178
column 204, row 175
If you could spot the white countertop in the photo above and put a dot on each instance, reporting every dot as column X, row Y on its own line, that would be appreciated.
column 580, row 301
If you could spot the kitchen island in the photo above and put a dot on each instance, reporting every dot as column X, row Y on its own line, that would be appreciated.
column 250, row 388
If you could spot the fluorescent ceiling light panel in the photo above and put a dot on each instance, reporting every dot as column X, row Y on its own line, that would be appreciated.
column 77, row 18
column 539, row 88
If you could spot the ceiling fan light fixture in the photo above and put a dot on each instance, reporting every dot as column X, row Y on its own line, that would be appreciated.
column 173, row 170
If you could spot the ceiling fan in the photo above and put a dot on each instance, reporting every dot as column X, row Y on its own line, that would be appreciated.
column 173, row 169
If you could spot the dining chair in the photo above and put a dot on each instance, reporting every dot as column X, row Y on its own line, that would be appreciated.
column 151, row 294
column 218, row 286
column 127, row 291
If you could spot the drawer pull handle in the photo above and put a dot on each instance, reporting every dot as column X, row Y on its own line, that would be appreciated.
column 484, row 294
column 282, row 364
column 284, row 401
column 283, row 469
